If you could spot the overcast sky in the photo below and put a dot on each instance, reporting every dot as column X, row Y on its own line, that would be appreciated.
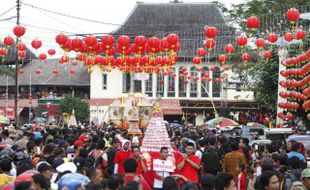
column 45, row 25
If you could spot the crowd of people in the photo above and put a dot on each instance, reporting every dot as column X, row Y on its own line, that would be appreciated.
column 71, row 158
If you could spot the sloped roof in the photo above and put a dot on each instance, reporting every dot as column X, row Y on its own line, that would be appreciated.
column 12, row 55
column 63, row 78
column 185, row 19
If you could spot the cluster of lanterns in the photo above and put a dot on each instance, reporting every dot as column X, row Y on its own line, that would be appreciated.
column 152, row 55
column 297, row 83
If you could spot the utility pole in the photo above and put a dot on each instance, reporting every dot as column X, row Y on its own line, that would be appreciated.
column 16, row 70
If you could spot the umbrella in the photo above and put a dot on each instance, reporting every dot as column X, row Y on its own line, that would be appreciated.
column 176, row 125
column 39, row 120
column 222, row 122
column 26, row 176
column 4, row 120
column 255, row 124
column 72, row 180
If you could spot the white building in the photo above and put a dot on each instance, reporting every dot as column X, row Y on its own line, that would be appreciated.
column 178, row 99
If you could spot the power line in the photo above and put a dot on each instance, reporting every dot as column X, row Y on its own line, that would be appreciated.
column 70, row 16
column 7, row 10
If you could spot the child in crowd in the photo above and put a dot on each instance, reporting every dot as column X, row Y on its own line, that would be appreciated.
column 241, row 177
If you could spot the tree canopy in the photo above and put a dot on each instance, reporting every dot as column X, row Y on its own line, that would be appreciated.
column 81, row 108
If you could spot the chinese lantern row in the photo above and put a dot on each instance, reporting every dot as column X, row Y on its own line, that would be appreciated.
column 142, row 53
column 288, row 115
column 293, row 95
column 289, row 105
column 304, row 70
column 293, row 61
column 296, row 84
column 39, row 72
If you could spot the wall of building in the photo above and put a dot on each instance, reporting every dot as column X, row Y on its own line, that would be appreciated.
column 115, row 84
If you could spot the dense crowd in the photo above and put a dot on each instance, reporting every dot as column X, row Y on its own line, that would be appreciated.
column 106, row 158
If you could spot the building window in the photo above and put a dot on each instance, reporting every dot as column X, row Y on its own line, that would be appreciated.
column 205, row 85
column 171, row 89
column 216, row 86
column 160, row 85
column 104, row 81
column 193, row 84
column 182, row 84
column 126, row 82
column 149, row 86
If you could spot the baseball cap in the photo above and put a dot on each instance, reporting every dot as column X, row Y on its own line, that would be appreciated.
column 79, row 161
column 305, row 173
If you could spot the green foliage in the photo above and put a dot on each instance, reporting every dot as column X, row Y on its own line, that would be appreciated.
column 81, row 108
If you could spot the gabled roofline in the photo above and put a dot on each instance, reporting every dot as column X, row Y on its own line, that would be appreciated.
column 127, row 18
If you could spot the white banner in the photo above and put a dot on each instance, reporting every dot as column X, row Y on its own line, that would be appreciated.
column 141, row 76
column 163, row 165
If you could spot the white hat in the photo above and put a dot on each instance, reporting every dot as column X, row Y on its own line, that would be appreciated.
column 67, row 166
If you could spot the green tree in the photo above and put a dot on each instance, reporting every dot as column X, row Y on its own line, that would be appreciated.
column 81, row 108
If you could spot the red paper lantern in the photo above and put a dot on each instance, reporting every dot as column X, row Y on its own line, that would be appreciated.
column 288, row 37
column 3, row 52
column 252, row 22
column 8, row 41
column 51, row 52
column 21, row 71
column 210, row 44
column 90, row 41
column 272, row 38
column 229, row 48
column 19, row 31
column 55, row 71
column 198, row 69
column 242, row 40
column 61, row 39
column 21, row 54
column 153, row 42
column 140, row 41
column 38, row 71
column 217, row 80
column 260, row 43
column 222, row 58
column 36, row 44
column 189, row 77
column 173, row 75
column 245, row 57
column 196, row 60
column 292, row 15
column 76, row 44
column 72, row 71
column 206, row 75
column 211, row 32
column 107, row 41
column 300, row 34
column 212, row 69
column 173, row 39
column 123, row 41
column 267, row 55
column 289, row 115
column 21, row 46
column 42, row 56
column 201, row 52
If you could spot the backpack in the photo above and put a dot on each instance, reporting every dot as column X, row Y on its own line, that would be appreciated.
column 291, row 182
column 210, row 161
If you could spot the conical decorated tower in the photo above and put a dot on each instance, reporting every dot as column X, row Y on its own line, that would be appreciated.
column 156, row 135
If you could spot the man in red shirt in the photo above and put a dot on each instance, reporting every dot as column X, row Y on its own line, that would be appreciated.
column 141, row 168
column 121, row 156
column 130, row 167
column 189, row 164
